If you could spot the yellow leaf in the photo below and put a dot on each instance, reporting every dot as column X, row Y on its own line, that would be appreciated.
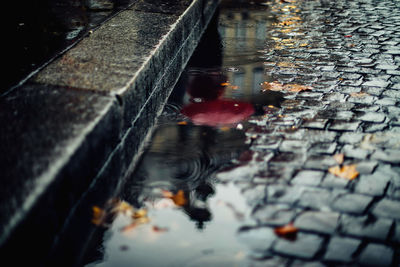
column 140, row 214
column 348, row 171
column 98, row 215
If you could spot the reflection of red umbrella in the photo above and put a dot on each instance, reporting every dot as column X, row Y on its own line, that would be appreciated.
column 218, row 112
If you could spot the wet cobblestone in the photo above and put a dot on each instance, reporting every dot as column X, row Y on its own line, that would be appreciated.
column 349, row 55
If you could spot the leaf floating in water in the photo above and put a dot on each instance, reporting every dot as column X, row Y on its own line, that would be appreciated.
column 288, row 231
column 276, row 86
column 348, row 171
column 179, row 198
column 98, row 215
column 339, row 158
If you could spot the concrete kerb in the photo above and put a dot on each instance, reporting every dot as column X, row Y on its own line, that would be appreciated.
column 104, row 67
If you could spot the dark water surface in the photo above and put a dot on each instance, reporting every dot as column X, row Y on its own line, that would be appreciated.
column 174, row 210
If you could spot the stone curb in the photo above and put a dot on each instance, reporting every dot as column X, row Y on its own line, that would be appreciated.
column 89, row 112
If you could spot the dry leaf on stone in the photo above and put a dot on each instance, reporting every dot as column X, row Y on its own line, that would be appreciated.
column 288, row 231
column 348, row 171
column 276, row 86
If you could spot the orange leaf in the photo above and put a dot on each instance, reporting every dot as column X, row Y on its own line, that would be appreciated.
column 288, row 231
column 339, row 158
column 348, row 171
column 182, row 123
column 275, row 86
column 179, row 198
column 98, row 215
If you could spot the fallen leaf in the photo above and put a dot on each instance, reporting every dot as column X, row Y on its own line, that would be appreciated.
column 98, row 215
column 348, row 171
column 179, row 198
column 141, row 213
column 348, row 36
column 339, row 158
column 276, row 86
column 288, row 231
column 182, row 123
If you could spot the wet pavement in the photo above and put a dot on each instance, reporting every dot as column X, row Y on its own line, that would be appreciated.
column 304, row 168
column 42, row 31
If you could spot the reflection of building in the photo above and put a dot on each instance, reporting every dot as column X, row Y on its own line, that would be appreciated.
column 244, row 32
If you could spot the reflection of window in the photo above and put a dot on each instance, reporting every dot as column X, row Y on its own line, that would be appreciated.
column 238, row 80
column 258, row 78
column 260, row 30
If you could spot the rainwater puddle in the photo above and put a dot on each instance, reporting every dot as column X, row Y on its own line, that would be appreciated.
column 179, row 207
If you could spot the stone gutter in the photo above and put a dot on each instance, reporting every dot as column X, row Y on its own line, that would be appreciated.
column 84, row 118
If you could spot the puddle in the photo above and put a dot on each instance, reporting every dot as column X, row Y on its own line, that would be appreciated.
column 194, row 212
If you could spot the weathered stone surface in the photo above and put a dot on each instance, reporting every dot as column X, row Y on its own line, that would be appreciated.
column 351, row 203
column 56, row 128
column 365, row 227
column 376, row 255
column 274, row 214
column 305, row 246
column 320, row 222
column 387, row 208
column 308, row 177
column 341, row 249
column 374, row 184
column 259, row 240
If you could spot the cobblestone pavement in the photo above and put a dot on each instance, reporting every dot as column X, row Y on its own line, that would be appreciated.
column 349, row 53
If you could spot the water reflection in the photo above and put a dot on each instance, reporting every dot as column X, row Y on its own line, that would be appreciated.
column 193, row 217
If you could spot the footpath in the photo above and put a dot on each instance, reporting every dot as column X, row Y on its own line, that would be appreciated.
column 85, row 116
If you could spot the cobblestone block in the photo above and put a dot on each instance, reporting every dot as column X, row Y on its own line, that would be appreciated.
column 344, row 126
column 392, row 93
column 305, row 246
column 376, row 255
column 284, row 194
column 293, row 145
column 351, row 203
column 258, row 239
column 331, row 181
column 315, row 124
column 366, row 167
column 374, row 184
column 350, row 138
column 373, row 117
column 318, row 221
column 319, row 162
column 308, row 177
column 323, row 148
column 318, row 199
column 387, row 208
column 386, row 101
column 355, row 152
column 388, row 155
column 365, row 227
column 341, row 249
column 274, row 214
